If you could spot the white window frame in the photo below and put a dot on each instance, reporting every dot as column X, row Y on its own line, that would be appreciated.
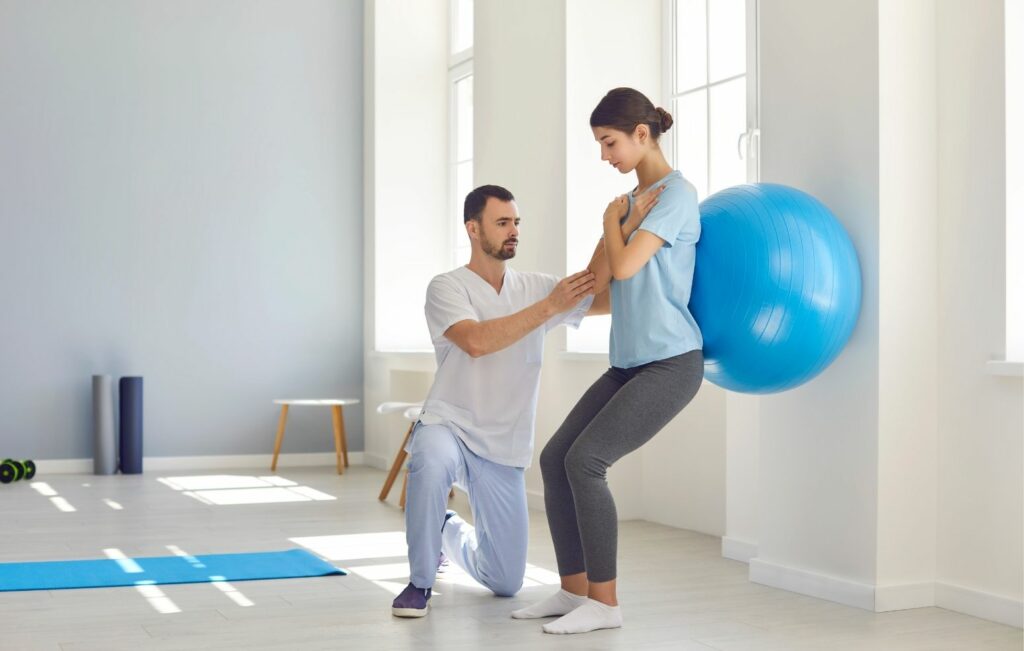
column 748, row 144
column 460, row 66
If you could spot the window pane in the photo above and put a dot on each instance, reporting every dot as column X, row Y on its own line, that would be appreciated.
column 691, row 44
column 691, row 120
column 464, row 119
column 728, row 121
column 727, row 37
column 463, row 186
column 463, row 23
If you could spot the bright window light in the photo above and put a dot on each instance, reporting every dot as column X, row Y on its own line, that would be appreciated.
column 216, row 482
column 258, row 495
column 356, row 546
column 43, row 488
column 62, row 504
column 160, row 602
column 128, row 566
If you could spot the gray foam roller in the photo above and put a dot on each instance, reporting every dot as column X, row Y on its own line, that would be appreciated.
column 104, row 441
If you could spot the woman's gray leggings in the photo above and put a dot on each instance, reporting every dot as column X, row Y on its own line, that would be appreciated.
column 624, row 409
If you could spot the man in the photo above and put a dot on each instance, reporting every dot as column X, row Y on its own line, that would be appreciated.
column 487, row 322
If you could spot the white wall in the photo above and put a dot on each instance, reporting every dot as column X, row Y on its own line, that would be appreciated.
column 819, row 448
column 981, row 416
column 908, row 304
column 180, row 190
column 895, row 479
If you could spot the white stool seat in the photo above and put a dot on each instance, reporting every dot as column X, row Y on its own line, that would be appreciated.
column 392, row 407
column 337, row 416
column 337, row 402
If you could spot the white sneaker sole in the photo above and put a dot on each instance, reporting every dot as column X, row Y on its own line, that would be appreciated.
column 410, row 612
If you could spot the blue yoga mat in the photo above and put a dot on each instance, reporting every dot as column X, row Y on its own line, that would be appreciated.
column 56, row 575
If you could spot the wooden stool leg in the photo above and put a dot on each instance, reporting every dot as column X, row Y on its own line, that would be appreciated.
column 344, row 439
column 338, row 436
column 396, row 466
column 405, row 485
column 280, row 436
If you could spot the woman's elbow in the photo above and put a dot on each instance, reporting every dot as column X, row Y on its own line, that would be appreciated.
column 623, row 272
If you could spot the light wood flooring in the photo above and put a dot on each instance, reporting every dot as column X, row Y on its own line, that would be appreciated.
column 676, row 590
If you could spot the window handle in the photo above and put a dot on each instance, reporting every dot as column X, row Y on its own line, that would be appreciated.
column 749, row 136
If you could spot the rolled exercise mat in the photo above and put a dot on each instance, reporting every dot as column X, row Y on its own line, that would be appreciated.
column 130, row 389
column 104, row 447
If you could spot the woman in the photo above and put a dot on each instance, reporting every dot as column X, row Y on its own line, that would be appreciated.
column 656, row 360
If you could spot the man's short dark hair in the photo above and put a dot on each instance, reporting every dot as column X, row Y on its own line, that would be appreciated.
column 477, row 199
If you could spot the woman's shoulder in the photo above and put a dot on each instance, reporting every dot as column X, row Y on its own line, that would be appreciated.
column 678, row 188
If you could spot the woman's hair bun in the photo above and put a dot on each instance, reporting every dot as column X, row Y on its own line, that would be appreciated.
column 665, row 118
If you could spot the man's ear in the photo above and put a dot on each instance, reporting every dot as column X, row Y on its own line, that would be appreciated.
column 472, row 228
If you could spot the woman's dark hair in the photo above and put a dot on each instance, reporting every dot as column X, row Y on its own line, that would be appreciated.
column 477, row 199
column 623, row 109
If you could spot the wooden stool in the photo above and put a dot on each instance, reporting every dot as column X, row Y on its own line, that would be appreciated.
column 411, row 412
column 340, row 444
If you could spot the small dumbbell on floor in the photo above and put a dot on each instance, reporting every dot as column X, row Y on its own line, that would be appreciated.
column 13, row 470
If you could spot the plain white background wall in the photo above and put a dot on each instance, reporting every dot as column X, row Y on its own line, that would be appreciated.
column 981, row 416
column 818, row 448
column 908, row 304
column 179, row 197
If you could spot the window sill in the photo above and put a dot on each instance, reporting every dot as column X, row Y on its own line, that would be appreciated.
column 575, row 356
column 1008, row 368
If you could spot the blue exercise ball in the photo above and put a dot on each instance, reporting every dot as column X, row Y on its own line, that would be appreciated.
column 776, row 287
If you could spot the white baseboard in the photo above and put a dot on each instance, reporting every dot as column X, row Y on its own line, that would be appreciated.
column 904, row 596
column 738, row 550
column 161, row 464
column 976, row 603
column 980, row 604
column 813, row 584
column 373, row 460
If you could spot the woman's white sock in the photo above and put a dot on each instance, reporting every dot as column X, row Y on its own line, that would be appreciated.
column 556, row 605
column 591, row 616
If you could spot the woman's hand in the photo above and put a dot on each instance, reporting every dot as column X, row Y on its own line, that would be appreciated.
column 617, row 209
column 642, row 205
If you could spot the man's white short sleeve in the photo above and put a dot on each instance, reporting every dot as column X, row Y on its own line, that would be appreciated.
column 447, row 304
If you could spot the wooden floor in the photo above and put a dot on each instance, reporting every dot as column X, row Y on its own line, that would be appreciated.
column 675, row 589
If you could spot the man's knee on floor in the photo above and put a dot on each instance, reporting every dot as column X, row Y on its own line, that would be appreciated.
column 505, row 585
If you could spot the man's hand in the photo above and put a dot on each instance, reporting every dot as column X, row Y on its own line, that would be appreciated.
column 570, row 291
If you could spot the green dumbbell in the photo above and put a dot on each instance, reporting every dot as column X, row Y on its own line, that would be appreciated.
column 16, row 470
column 7, row 472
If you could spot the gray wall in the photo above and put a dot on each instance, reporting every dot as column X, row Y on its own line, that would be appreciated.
column 181, row 198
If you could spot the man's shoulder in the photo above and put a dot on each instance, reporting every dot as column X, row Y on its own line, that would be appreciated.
column 453, row 278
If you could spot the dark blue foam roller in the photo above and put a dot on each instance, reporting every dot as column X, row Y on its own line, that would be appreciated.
column 130, row 389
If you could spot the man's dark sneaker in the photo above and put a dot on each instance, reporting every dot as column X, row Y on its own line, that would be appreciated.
column 413, row 602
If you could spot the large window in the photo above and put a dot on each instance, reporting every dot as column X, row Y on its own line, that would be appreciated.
column 710, row 65
column 460, row 102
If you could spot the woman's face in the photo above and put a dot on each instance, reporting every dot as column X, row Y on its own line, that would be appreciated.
column 622, row 150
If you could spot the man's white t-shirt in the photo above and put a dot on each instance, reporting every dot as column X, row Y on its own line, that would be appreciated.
column 491, row 400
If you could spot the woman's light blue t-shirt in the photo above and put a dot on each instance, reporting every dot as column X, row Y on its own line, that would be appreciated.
column 651, row 317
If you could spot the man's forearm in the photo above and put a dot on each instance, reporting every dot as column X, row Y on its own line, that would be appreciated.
column 493, row 335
